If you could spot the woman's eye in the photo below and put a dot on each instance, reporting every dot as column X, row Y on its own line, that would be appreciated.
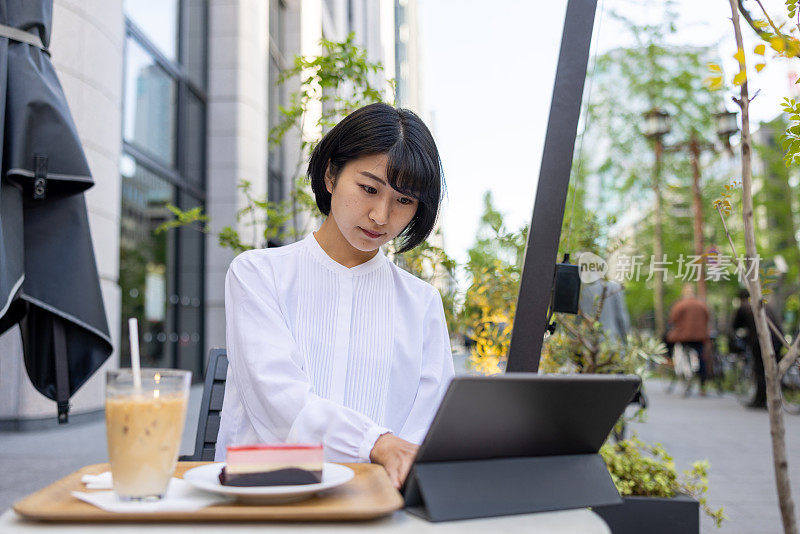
column 368, row 189
column 406, row 201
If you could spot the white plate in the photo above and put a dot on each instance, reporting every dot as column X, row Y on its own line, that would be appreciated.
column 206, row 477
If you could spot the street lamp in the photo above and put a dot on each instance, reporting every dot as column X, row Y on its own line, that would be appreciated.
column 657, row 124
column 727, row 125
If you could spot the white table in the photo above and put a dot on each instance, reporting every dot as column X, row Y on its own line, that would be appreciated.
column 568, row 522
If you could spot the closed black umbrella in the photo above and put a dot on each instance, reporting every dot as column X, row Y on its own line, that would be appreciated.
column 48, row 275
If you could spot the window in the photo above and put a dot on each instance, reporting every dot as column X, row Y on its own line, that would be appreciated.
column 144, row 257
column 276, row 97
column 158, row 20
column 150, row 102
column 194, row 43
column 163, row 162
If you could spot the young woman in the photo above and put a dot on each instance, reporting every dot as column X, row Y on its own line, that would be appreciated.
column 329, row 341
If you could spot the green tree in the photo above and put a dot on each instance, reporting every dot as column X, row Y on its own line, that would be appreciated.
column 493, row 270
column 629, row 82
column 777, row 200
column 583, row 228
column 784, row 42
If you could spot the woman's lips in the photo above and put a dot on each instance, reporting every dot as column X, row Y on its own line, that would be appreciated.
column 370, row 234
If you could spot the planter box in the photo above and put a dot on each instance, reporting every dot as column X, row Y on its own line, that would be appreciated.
column 652, row 515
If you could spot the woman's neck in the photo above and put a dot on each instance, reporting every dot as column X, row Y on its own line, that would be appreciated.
column 338, row 248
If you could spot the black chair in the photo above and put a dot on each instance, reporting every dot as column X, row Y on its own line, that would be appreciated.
column 213, row 394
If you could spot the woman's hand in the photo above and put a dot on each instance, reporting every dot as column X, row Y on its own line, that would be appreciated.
column 396, row 456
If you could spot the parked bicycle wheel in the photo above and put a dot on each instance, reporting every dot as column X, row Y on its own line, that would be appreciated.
column 790, row 389
column 749, row 389
column 685, row 363
column 717, row 367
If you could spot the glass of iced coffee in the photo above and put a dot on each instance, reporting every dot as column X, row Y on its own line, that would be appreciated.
column 144, row 423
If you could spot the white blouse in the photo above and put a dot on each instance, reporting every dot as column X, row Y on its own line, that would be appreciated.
column 320, row 352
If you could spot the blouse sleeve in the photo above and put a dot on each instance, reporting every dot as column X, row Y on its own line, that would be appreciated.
column 437, row 371
column 267, row 366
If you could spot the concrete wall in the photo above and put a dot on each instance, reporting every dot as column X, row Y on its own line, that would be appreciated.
column 87, row 52
column 237, row 134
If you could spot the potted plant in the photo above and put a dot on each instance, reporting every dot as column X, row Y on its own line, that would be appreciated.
column 656, row 498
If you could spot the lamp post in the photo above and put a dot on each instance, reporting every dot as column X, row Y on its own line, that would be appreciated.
column 697, row 208
column 725, row 122
column 656, row 125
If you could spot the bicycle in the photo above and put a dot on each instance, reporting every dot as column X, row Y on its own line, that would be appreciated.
column 717, row 366
column 749, row 388
column 685, row 364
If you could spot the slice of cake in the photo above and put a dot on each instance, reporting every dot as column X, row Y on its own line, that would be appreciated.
column 272, row 465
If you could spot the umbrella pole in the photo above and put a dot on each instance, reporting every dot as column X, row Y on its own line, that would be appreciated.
column 62, row 370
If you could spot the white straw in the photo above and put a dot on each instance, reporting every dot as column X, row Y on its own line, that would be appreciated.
column 133, row 333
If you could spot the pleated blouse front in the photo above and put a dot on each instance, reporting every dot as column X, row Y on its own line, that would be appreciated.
column 324, row 353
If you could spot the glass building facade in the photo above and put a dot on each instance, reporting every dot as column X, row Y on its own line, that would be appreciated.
column 277, row 189
column 276, row 95
column 163, row 163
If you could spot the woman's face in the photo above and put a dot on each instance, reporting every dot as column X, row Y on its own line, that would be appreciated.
column 367, row 211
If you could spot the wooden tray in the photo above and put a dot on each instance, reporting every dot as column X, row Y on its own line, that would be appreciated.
column 369, row 495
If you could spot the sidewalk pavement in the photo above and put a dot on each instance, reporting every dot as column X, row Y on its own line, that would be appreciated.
column 736, row 442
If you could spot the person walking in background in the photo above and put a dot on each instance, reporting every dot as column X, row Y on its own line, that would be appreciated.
column 613, row 314
column 743, row 318
column 689, row 327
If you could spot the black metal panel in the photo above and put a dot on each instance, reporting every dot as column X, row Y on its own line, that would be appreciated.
column 209, row 419
column 221, row 372
column 447, row 491
column 551, row 194
column 217, row 396
column 212, row 428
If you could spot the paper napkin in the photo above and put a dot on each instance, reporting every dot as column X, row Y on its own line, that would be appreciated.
column 180, row 497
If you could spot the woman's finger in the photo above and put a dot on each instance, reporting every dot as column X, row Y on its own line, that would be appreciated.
column 395, row 480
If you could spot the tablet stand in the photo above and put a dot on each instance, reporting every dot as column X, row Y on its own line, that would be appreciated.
column 446, row 491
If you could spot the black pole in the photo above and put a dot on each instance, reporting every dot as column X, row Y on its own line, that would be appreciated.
column 551, row 194
column 61, row 367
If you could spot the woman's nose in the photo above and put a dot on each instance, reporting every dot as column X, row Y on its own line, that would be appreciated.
column 380, row 212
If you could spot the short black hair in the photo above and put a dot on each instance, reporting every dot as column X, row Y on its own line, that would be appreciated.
column 413, row 167
column 744, row 294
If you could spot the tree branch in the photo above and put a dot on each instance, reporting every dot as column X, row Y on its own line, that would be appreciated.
column 774, row 398
column 777, row 31
column 789, row 358
column 606, row 362
column 749, row 18
column 601, row 303
column 728, row 234
column 580, row 338
column 777, row 332
column 763, row 35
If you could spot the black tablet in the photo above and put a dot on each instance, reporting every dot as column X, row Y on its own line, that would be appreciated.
column 525, row 415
